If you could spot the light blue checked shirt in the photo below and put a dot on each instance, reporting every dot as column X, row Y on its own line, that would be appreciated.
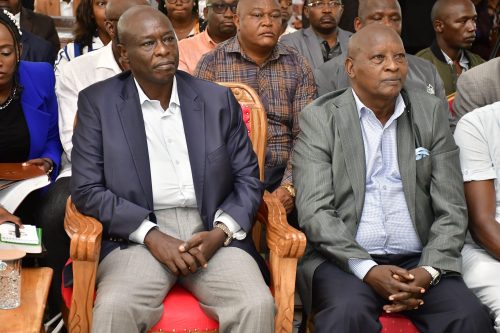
column 385, row 226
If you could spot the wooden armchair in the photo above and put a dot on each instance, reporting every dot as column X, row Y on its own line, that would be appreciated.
column 285, row 243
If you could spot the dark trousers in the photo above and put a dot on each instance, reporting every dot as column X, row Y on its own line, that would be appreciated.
column 55, row 239
column 344, row 303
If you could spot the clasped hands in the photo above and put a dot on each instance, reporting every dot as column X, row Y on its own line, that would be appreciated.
column 403, row 288
column 183, row 258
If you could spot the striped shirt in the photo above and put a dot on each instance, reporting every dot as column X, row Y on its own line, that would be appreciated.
column 284, row 83
column 385, row 226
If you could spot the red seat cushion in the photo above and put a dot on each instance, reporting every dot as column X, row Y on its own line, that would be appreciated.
column 396, row 323
column 181, row 312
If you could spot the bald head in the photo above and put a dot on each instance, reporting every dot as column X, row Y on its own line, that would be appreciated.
column 376, row 63
column 132, row 22
column 443, row 8
column 387, row 12
column 370, row 36
column 454, row 22
column 246, row 5
column 115, row 8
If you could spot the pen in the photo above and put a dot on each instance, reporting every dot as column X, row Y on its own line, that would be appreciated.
column 17, row 231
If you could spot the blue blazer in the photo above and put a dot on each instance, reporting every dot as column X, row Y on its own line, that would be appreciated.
column 39, row 103
column 111, row 177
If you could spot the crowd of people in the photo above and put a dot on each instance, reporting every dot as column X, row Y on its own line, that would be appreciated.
column 387, row 160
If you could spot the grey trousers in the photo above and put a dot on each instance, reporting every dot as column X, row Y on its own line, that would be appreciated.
column 131, row 285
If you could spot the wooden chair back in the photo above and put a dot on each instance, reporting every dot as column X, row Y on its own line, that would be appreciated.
column 248, row 98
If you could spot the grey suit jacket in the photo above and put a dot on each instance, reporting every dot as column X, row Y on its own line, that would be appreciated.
column 477, row 87
column 329, row 175
column 306, row 43
column 422, row 75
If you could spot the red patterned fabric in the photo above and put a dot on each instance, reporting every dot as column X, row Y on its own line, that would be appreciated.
column 246, row 117
column 396, row 323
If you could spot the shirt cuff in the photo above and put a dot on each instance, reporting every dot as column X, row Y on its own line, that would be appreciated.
column 360, row 267
column 140, row 233
column 231, row 224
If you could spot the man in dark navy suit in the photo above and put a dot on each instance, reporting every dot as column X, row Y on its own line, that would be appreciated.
column 163, row 160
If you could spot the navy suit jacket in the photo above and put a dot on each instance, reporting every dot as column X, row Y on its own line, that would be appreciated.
column 111, row 177
column 39, row 104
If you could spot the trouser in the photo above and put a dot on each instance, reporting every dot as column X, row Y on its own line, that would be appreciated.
column 344, row 303
column 131, row 284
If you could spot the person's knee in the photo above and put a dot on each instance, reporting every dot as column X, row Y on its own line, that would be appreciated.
column 114, row 304
column 473, row 315
column 261, row 303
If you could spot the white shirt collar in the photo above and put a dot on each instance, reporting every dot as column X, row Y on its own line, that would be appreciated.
column 399, row 107
column 18, row 18
column 174, row 103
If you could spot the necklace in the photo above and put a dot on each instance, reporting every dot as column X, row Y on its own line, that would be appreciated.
column 11, row 97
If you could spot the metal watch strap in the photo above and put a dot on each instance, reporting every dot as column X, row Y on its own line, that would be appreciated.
column 290, row 189
column 226, row 230
column 435, row 274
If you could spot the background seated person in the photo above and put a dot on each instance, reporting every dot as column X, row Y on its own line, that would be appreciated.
column 28, row 104
column 477, row 135
column 90, row 31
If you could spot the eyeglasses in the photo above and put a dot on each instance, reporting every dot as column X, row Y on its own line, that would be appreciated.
column 174, row 1
column 322, row 5
column 220, row 8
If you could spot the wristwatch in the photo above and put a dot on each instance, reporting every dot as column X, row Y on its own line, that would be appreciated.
column 435, row 274
column 290, row 189
column 226, row 230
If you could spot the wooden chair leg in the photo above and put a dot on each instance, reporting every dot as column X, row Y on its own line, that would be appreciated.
column 284, row 270
column 80, row 316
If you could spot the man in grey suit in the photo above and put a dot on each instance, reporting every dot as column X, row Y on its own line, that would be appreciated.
column 380, row 198
column 164, row 161
column 477, row 87
column 422, row 74
column 323, row 40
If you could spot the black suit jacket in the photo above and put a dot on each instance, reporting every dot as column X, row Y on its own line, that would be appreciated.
column 36, row 49
column 42, row 26
column 111, row 178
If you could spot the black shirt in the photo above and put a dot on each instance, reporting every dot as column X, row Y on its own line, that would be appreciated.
column 14, row 133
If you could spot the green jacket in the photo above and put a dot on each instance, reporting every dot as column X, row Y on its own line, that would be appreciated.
column 447, row 72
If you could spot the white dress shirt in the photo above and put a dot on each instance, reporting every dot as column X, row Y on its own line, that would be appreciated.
column 385, row 226
column 478, row 136
column 171, row 177
column 66, row 8
column 71, row 78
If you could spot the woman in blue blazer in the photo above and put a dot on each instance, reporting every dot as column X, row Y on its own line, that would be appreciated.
column 28, row 107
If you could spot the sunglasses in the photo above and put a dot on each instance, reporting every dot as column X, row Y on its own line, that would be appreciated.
column 220, row 8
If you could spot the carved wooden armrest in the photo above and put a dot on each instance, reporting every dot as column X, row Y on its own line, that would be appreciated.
column 85, row 233
column 282, row 239
column 286, row 244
